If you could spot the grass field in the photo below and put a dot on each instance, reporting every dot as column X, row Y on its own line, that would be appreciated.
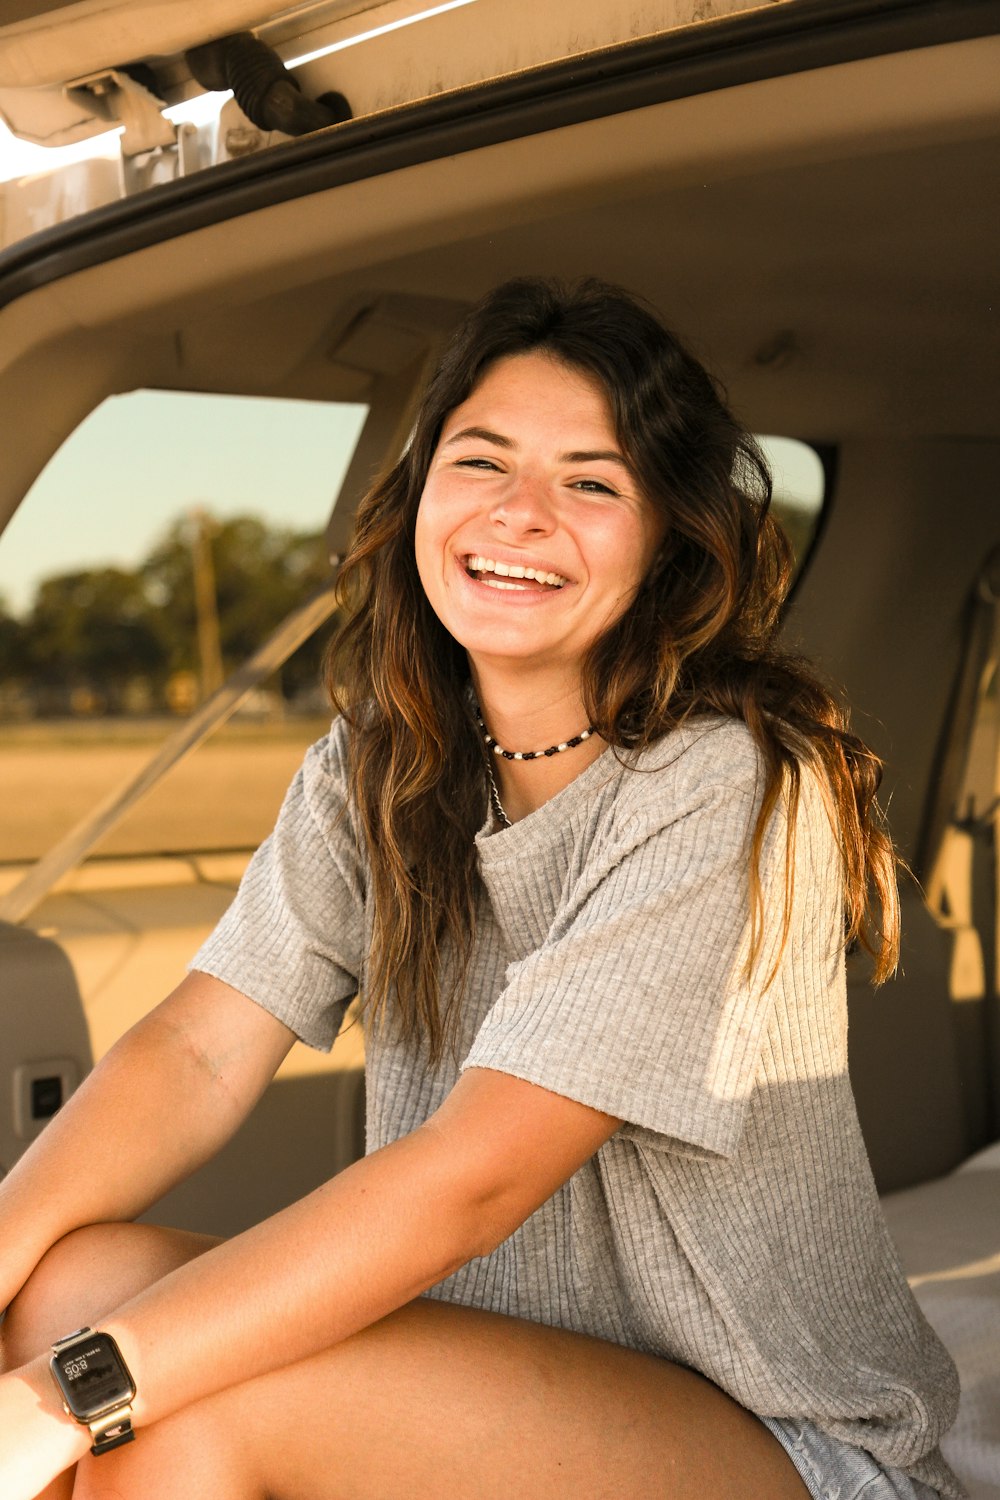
column 223, row 796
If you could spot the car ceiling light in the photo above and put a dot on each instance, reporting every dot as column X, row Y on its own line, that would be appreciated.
column 367, row 36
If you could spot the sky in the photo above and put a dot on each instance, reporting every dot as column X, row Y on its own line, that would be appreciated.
column 143, row 459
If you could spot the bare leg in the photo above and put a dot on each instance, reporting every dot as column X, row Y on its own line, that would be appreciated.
column 432, row 1403
column 445, row 1403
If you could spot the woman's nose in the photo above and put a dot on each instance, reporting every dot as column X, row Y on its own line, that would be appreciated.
column 526, row 507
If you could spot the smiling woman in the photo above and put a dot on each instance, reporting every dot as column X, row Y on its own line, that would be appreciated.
column 503, row 459
column 610, row 1131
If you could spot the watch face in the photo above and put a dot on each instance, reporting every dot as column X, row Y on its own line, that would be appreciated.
column 92, row 1376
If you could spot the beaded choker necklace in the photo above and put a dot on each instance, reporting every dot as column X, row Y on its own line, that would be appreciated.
column 491, row 744
column 577, row 739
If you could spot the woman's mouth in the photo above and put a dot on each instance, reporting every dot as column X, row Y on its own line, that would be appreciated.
column 501, row 575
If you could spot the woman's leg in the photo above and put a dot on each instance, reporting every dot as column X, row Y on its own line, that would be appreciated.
column 432, row 1403
column 438, row 1402
column 80, row 1280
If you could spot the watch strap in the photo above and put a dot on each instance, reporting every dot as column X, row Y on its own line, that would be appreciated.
column 112, row 1430
column 71, row 1338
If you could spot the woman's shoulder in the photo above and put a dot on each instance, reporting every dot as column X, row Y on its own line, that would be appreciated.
column 709, row 767
column 320, row 798
column 324, row 776
column 705, row 751
column 330, row 751
column 713, row 763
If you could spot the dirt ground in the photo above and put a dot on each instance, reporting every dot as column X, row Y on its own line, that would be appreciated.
column 225, row 795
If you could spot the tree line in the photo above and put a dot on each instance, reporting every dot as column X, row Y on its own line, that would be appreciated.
column 119, row 640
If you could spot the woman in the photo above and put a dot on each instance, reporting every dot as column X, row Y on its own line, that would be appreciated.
column 586, row 841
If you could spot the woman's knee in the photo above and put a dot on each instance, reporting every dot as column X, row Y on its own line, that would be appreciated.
column 86, row 1275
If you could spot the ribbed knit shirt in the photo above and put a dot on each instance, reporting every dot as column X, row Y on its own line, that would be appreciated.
column 731, row 1224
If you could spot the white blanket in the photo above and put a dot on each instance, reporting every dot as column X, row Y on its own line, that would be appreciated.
column 948, row 1236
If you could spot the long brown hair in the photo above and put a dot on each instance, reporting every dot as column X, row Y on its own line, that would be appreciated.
column 699, row 637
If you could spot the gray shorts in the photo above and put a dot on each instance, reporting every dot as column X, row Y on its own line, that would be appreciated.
column 834, row 1470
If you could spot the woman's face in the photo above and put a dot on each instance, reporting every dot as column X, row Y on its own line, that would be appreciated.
column 532, row 534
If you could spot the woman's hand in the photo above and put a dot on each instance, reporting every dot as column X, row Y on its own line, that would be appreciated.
column 37, row 1439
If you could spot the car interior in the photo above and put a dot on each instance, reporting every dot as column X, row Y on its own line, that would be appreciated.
column 824, row 234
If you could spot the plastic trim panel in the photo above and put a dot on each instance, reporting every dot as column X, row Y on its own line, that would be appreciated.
column 745, row 48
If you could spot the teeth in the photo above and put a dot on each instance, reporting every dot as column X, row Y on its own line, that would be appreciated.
column 513, row 570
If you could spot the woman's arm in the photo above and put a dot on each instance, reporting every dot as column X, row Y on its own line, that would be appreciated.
column 166, row 1097
column 369, row 1240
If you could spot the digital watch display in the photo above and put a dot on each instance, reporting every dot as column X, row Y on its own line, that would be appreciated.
column 96, row 1386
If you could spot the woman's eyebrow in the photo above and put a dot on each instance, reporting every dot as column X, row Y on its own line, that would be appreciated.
column 592, row 455
column 484, row 436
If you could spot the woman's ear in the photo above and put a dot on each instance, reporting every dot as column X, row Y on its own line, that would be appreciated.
column 664, row 554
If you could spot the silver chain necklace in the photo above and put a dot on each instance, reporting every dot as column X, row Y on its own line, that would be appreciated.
column 498, row 806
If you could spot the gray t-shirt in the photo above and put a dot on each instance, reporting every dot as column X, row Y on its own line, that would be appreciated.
column 731, row 1224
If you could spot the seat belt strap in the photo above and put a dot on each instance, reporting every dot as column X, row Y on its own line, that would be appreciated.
column 968, row 800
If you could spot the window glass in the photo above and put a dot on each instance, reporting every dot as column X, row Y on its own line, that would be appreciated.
column 166, row 539
column 799, row 478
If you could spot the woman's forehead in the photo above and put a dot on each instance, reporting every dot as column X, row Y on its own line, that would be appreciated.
column 536, row 388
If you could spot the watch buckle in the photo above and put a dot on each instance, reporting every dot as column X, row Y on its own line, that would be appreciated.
column 112, row 1430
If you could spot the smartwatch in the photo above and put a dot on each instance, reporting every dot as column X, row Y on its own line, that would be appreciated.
column 96, row 1386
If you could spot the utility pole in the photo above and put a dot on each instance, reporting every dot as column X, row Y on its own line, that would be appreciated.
column 205, row 601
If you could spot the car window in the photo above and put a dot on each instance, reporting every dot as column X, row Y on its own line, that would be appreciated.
column 169, row 535
column 799, row 475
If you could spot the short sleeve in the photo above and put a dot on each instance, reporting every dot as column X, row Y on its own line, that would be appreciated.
column 292, row 939
column 638, row 1003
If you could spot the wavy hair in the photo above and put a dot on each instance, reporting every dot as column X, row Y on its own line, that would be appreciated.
column 698, row 638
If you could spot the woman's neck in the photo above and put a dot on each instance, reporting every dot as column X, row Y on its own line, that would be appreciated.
column 523, row 713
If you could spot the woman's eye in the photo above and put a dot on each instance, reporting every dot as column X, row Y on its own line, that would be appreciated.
column 476, row 463
column 594, row 487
